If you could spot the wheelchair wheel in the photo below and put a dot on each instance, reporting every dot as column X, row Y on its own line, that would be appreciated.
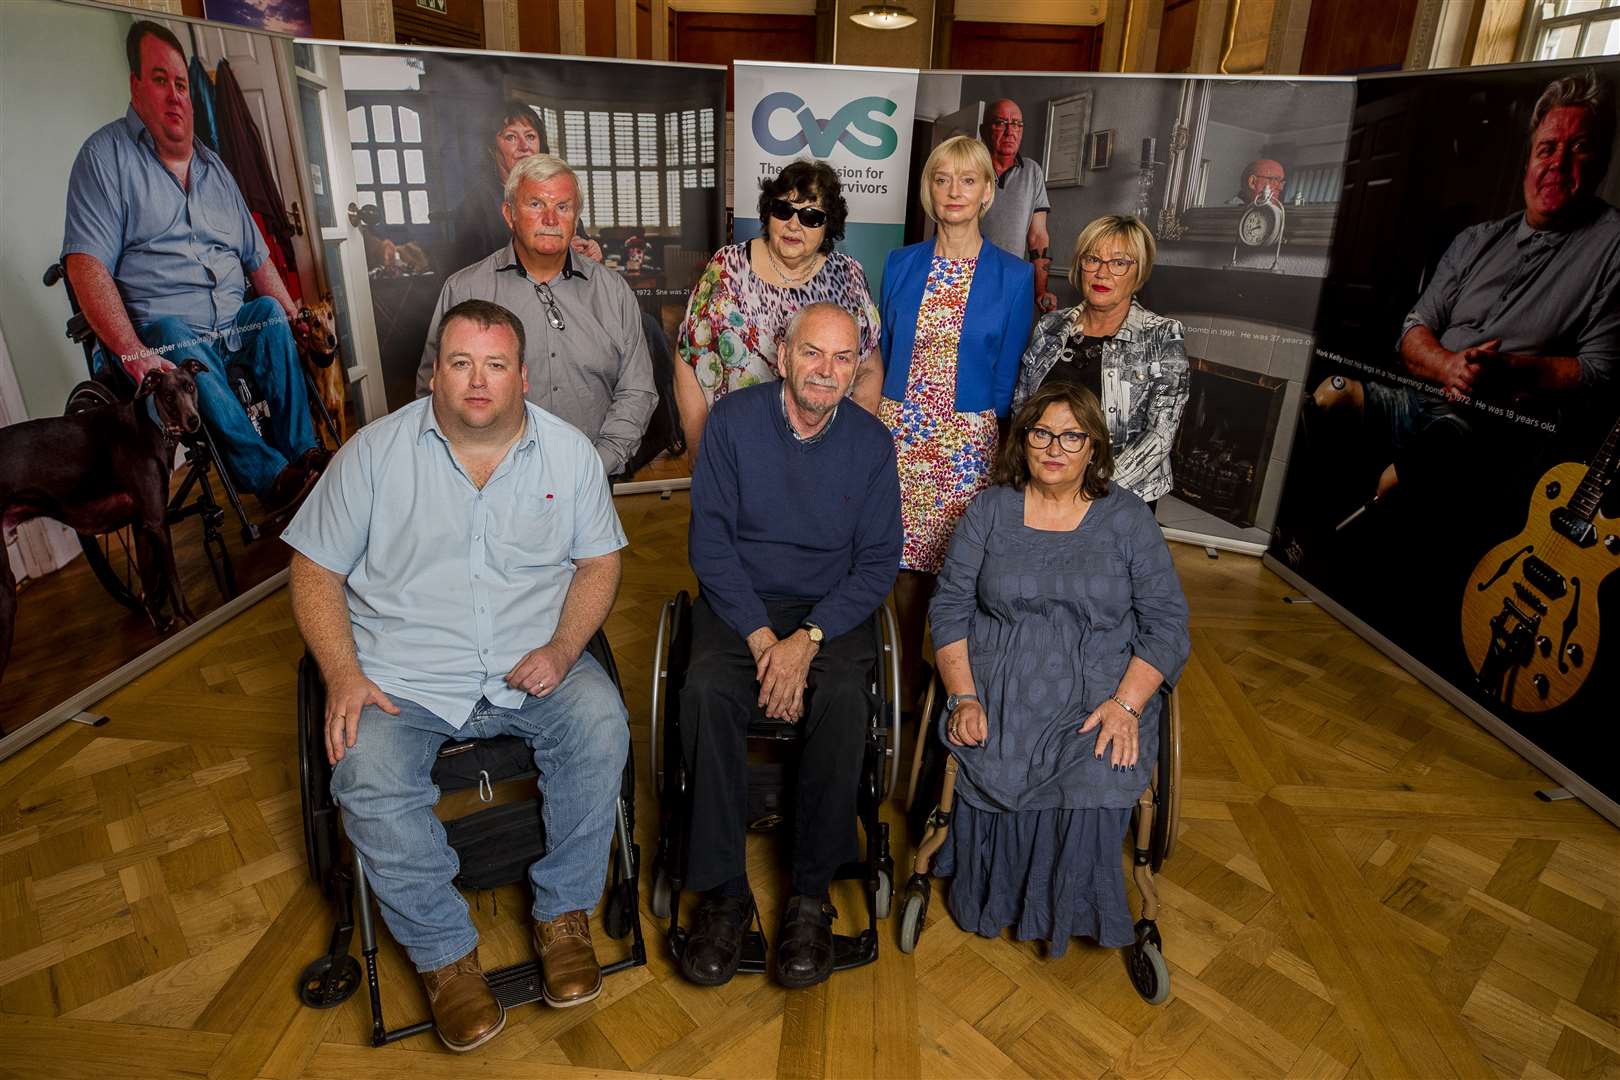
column 1149, row 973
column 326, row 985
column 110, row 556
column 885, row 894
column 320, row 813
column 662, row 891
column 913, row 914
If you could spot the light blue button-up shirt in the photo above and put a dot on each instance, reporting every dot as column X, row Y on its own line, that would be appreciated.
column 449, row 585
column 173, row 251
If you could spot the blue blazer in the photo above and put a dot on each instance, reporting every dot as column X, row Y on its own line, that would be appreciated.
column 995, row 328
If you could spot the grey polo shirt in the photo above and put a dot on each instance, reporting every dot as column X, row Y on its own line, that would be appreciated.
column 1543, row 293
column 595, row 373
column 1020, row 194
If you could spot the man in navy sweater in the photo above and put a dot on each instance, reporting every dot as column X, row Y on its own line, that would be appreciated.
column 795, row 538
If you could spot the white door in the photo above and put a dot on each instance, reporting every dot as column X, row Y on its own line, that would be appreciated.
column 253, row 62
column 323, row 132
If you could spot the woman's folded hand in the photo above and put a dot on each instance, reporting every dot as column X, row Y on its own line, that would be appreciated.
column 967, row 725
column 1118, row 731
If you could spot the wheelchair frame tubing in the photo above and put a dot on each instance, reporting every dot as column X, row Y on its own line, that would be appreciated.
column 380, row 1035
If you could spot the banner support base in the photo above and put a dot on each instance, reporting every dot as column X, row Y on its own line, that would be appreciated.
column 1557, row 794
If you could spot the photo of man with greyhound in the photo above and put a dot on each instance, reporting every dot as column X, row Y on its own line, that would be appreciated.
column 171, row 384
column 160, row 248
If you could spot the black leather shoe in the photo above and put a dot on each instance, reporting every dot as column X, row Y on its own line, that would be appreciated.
column 804, row 949
column 715, row 945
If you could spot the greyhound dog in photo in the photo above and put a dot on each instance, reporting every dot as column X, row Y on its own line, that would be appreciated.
column 100, row 470
column 315, row 332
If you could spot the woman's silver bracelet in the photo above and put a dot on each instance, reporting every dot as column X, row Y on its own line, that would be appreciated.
column 1122, row 704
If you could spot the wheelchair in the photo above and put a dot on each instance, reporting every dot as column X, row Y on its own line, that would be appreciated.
column 1153, row 826
column 672, row 781
column 111, row 556
column 496, row 845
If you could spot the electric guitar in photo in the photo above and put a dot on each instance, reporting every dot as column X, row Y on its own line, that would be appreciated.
column 1530, row 609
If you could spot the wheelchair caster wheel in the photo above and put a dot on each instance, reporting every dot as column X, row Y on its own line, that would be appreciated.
column 1149, row 973
column 616, row 914
column 912, row 916
column 660, row 900
column 326, row 985
column 885, row 895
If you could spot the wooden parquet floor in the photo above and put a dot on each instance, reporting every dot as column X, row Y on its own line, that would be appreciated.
column 1364, row 886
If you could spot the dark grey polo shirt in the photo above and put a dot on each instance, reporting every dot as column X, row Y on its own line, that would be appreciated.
column 1543, row 293
column 595, row 373
column 1020, row 194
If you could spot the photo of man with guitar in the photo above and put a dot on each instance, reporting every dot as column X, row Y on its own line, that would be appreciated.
column 1456, row 492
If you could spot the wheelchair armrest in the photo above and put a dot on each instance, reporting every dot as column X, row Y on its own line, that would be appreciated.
column 78, row 329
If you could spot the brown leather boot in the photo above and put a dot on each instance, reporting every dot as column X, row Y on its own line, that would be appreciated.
column 465, row 1011
column 572, row 975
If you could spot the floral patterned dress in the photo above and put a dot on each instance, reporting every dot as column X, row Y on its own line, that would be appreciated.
column 944, row 456
column 735, row 318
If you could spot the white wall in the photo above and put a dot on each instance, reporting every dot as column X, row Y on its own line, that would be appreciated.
column 62, row 76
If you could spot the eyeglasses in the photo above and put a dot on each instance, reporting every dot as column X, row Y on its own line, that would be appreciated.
column 1072, row 442
column 553, row 312
column 1117, row 267
column 809, row 216
column 1010, row 125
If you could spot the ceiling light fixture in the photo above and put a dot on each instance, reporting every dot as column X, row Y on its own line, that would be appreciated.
column 883, row 17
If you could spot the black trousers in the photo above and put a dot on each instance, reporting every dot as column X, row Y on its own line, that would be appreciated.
column 719, row 699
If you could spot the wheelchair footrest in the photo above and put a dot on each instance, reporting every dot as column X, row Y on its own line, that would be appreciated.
column 854, row 951
column 849, row 951
column 519, row 984
column 755, row 956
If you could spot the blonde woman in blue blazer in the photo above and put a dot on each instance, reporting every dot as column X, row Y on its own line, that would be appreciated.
column 955, row 319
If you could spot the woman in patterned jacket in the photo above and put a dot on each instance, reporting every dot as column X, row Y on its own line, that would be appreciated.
column 1133, row 360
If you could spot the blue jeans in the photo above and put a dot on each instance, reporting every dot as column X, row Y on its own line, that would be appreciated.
column 384, row 785
column 270, row 357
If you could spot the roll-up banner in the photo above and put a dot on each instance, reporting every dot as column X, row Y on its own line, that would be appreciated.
column 431, row 136
column 112, row 263
column 1238, row 180
column 1452, row 492
column 857, row 120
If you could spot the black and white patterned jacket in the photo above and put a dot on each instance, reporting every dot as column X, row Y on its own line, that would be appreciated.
column 1144, row 389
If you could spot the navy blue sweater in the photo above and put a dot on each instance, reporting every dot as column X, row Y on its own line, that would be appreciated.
column 777, row 519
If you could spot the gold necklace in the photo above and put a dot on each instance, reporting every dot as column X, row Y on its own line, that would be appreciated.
column 783, row 274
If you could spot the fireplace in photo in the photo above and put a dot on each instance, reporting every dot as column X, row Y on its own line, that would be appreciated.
column 1224, row 443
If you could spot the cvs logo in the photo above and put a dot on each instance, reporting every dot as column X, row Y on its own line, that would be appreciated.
column 821, row 135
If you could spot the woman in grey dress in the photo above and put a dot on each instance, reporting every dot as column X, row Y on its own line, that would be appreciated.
column 1057, row 617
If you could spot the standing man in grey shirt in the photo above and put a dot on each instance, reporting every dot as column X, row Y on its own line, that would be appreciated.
column 586, row 351
column 1016, row 221
column 1524, row 310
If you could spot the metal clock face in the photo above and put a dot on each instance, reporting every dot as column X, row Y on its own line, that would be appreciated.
column 1259, row 225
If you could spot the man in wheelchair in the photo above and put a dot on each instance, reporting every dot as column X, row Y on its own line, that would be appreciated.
column 443, row 543
column 795, row 539
column 159, row 247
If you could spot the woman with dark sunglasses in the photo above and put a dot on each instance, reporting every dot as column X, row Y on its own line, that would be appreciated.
column 740, row 309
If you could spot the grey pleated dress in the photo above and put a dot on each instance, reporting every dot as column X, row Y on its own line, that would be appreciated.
column 1052, row 620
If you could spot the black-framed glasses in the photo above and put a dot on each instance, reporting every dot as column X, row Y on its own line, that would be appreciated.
column 1117, row 267
column 811, row 217
column 553, row 312
column 1010, row 125
column 1072, row 442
